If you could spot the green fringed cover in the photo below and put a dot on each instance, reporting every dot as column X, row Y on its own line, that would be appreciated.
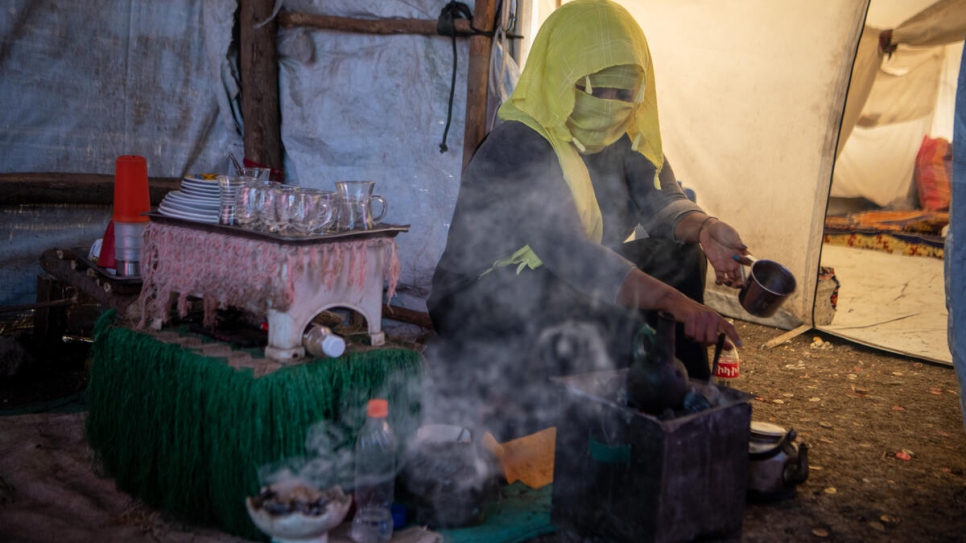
column 188, row 434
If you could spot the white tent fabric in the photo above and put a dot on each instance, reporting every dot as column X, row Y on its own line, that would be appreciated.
column 878, row 163
column 893, row 302
column 868, row 57
column 751, row 94
column 895, row 100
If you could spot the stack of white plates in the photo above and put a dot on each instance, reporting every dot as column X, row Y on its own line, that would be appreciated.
column 196, row 201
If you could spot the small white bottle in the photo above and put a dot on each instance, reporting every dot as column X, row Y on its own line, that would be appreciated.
column 320, row 341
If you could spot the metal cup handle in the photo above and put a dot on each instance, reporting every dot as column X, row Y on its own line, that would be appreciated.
column 741, row 267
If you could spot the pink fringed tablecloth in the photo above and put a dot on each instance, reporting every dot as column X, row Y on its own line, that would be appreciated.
column 288, row 282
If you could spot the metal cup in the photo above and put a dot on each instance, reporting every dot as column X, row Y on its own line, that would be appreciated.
column 765, row 289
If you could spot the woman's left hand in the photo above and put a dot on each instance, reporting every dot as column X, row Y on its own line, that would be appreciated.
column 721, row 244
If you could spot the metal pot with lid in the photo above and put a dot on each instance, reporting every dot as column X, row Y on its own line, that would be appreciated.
column 777, row 463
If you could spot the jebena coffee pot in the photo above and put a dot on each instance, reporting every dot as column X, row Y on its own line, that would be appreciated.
column 657, row 380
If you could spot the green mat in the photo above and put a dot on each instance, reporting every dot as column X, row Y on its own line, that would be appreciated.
column 520, row 514
column 189, row 434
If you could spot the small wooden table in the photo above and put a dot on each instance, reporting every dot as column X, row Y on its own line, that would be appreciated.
column 289, row 279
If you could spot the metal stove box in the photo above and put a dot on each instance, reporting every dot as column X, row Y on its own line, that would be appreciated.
column 633, row 478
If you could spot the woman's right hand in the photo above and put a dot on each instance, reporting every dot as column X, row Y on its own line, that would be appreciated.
column 701, row 323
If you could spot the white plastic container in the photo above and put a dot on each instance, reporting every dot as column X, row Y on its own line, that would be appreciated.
column 320, row 341
column 128, row 238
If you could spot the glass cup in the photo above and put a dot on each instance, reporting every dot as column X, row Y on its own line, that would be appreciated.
column 262, row 174
column 265, row 218
column 246, row 195
column 331, row 200
column 227, row 188
column 286, row 200
column 311, row 212
column 355, row 205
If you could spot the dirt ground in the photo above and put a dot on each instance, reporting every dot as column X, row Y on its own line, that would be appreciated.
column 885, row 432
column 887, row 448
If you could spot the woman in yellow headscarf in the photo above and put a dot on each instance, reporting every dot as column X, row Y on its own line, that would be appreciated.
column 535, row 267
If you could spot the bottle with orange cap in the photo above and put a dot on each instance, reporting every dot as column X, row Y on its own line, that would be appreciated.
column 375, row 475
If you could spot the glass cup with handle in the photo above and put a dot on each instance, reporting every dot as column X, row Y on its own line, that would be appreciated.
column 265, row 196
column 311, row 212
column 330, row 222
column 355, row 205
column 286, row 206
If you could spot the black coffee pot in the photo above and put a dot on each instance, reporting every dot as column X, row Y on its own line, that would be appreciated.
column 656, row 380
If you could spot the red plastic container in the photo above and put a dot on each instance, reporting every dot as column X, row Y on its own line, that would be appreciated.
column 131, row 194
column 106, row 258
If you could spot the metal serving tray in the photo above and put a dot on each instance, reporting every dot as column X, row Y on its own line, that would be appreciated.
column 379, row 230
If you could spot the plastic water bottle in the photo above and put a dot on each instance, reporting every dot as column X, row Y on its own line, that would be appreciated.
column 320, row 341
column 727, row 373
column 375, row 475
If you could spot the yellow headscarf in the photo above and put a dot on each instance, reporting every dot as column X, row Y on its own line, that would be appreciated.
column 582, row 38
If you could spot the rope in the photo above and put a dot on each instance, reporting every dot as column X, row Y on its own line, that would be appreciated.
column 446, row 26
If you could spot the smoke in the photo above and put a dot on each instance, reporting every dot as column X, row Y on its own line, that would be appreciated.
column 329, row 447
column 489, row 386
column 327, row 462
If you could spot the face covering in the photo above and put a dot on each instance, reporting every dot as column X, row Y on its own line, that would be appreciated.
column 596, row 123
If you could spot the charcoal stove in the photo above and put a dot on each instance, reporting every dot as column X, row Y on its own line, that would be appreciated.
column 630, row 477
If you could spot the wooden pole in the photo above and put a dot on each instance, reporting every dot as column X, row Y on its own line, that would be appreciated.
column 409, row 316
column 72, row 188
column 259, row 76
column 477, row 80
column 426, row 27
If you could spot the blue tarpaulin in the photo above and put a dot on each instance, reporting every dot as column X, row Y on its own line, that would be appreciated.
column 955, row 254
column 85, row 81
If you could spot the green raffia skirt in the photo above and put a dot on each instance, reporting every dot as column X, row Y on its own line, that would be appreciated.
column 193, row 436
